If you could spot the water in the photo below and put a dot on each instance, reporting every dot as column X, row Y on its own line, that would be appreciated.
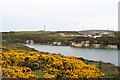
column 105, row 55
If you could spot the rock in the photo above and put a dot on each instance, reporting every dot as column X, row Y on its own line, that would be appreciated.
column 82, row 59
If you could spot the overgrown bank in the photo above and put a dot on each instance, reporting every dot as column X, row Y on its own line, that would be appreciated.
column 36, row 67
column 54, row 38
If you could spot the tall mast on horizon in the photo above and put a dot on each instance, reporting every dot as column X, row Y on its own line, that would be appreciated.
column 44, row 28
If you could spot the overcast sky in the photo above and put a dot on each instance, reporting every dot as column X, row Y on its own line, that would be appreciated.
column 72, row 15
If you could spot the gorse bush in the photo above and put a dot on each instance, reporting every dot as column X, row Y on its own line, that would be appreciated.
column 22, row 63
column 71, row 67
column 17, row 72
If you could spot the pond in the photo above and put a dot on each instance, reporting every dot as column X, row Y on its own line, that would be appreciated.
column 105, row 55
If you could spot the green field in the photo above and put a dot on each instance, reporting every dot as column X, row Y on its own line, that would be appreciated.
column 32, row 32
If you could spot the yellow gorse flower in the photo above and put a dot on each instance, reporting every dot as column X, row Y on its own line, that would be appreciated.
column 18, row 64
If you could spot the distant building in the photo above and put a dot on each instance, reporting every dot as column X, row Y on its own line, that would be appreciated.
column 97, row 33
column 69, row 34
column 105, row 33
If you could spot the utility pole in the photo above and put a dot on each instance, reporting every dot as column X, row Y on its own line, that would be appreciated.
column 44, row 28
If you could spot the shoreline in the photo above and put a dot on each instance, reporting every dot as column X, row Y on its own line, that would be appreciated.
column 81, row 58
column 109, row 69
column 75, row 46
column 20, row 46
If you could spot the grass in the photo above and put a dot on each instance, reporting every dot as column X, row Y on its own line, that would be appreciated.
column 32, row 32
column 17, row 46
column 38, row 73
column 110, row 70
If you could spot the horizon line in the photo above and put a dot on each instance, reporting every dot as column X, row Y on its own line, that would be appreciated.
column 56, row 30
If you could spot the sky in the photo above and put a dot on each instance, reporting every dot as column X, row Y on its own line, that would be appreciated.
column 58, row 15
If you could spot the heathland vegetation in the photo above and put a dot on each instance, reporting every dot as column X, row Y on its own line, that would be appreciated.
column 20, row 63
column 47, row 37
column 19, row 60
